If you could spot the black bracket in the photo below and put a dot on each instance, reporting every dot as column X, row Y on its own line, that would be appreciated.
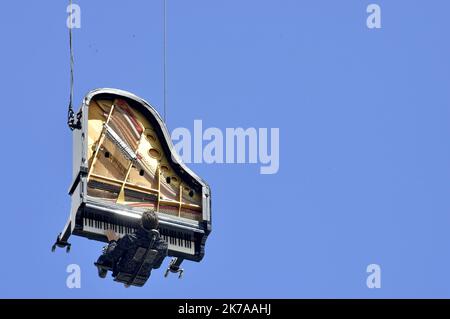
column 61, row 244
column 72, row 122
column 174, row 267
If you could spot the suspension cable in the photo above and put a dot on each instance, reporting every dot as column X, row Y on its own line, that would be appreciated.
column 165, row 59
column 70, row 113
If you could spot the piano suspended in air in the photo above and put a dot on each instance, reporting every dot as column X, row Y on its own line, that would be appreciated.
column 124, row 162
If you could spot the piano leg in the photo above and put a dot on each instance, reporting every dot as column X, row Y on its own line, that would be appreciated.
column 61, row 244
column 62, row 239
column 174, row 267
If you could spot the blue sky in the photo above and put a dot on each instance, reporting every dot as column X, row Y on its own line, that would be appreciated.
column 364, row 156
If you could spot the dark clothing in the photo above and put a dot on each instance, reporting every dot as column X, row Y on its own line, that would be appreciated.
column 119, row 255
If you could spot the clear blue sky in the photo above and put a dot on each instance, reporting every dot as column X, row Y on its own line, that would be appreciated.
column 364, row 141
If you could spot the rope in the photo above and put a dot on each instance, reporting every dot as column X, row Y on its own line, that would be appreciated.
column 165, row 60
column 70, row 113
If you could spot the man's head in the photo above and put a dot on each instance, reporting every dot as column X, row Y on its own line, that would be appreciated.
column 149, row 220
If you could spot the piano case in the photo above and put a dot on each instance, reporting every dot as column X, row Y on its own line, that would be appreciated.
column 124, row 162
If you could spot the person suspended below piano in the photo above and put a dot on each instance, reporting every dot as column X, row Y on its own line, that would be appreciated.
column 132, row 257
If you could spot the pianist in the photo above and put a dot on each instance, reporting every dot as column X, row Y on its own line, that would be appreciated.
column 118, row 254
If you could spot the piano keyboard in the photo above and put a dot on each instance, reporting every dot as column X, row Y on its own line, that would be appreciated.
column 177, row 241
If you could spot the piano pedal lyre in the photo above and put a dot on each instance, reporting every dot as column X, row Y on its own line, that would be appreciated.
column 61, row 244
column 174, row 267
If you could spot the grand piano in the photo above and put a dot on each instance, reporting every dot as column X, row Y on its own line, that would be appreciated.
column 124, row 162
